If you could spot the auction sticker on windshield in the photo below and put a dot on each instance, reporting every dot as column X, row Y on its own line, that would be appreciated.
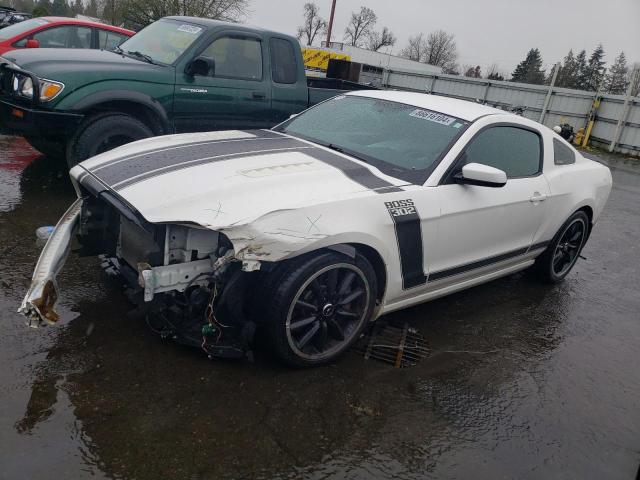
column 189, row 29
column 432, row 116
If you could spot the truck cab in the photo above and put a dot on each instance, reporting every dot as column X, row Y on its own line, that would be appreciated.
column 177, row 75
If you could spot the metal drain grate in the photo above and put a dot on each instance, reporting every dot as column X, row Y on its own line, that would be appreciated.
column 398, row 345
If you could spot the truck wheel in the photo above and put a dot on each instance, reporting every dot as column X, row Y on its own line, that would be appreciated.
column 103, row 132
column 317, row 308
column 49, row 147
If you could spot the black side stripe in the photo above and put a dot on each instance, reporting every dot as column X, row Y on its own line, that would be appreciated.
column 354, row 171
column 484, row 262
column 409, row 238
column 203, row 161
column 251, row 135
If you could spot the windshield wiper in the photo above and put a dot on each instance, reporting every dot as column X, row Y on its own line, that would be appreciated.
column 118, row 50
column 351, row 153
column 143, row 56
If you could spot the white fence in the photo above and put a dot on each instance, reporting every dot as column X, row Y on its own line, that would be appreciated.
column 617, row 117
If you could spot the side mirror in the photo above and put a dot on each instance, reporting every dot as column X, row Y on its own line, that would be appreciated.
column 481, row 175
column 32, row 43
column 203, row 66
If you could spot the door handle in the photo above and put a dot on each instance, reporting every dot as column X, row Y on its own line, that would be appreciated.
column 259, row 95
column 538, row 197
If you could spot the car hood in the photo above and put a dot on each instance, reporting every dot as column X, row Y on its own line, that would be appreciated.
column 73, row 66
column 222, row 179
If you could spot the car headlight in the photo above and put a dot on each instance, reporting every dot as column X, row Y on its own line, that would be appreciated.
column 23, row 86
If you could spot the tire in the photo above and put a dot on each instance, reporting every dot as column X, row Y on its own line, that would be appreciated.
column 303, row 291
column 103, row 132
column 561, row 254
column 49, row 147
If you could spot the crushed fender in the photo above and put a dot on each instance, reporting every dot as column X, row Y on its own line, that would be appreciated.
column 39, row 302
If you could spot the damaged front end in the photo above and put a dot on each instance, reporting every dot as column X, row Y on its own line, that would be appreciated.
column 183, row 279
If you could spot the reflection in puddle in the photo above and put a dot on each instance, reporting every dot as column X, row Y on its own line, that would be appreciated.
column 15, row 155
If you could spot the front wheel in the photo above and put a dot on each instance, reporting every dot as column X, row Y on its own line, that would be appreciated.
column 319, row 306
column 561, row 254
column 103, row 132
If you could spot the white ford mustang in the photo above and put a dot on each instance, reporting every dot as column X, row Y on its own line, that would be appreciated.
column 362, row 205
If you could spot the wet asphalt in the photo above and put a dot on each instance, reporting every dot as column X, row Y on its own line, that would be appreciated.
column 524, row 380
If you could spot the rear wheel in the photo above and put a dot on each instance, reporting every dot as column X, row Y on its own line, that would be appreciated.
column 49, row 147
column 319, row 307
column 103, row 132
column 562, row 253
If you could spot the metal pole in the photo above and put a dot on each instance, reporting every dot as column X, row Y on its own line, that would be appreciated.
column 333, row 11
column 625, row 112
column 547, row 99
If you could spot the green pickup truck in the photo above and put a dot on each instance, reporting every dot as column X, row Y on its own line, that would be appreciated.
column 179, row 74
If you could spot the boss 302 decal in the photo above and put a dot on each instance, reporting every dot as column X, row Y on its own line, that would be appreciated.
column 409, row 237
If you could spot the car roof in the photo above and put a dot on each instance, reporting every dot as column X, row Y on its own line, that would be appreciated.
column 78, row 21
column 462, row 109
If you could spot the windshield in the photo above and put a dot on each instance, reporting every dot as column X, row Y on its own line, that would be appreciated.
column 401, row 140
column 20, row 28
column 163, row 41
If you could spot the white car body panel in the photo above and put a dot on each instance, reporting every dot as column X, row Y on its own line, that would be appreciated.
column 276, row 197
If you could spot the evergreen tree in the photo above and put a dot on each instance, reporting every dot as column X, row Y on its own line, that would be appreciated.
column 60, row 8
column 42, row 8
column 567, row 76
column 92, row 9
column 595, row 71
column 77, row 8
column 617, row 79
column 580, row 71
column 530, row 69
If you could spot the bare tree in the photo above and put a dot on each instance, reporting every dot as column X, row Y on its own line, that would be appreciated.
column 635, row 88
column 440, row 49
column 494, row 72
column 413, row 50
column 313, row 24
column 143, row 12
column 360, row 26
column 378, row 40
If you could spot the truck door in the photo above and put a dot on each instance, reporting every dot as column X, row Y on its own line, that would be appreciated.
column 290, row 93
column 236, row 92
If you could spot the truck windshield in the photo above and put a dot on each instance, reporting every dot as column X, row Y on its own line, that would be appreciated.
column 401, row 140
column 163, row 41
column 20, row 28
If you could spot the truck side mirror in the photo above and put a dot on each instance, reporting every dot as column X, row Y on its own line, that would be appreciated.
column 203, row 66
column 32, row 43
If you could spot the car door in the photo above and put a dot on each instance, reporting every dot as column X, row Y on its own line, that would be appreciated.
column 481, row 226
column 64, row 36
column 236, row 93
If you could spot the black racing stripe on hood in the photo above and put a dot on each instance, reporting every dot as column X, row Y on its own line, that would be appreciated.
column 354, row 171
column 164, row 161
column 203, row 161
column 256, row 135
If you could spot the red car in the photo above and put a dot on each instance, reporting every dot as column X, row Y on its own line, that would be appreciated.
column 61, row 32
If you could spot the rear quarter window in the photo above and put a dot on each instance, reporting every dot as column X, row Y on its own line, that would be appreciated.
column 283, row 61
column 562, row 154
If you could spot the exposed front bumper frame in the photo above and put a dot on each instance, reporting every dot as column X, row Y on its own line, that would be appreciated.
column 39, row 302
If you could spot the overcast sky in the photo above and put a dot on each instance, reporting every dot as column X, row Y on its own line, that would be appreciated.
column 487, row 31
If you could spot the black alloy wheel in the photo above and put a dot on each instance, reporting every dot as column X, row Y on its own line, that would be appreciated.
column 319, row 306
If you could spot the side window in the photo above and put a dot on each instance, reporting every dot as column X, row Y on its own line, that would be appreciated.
column 109, row 40
column 284, row 68
column 562, row 155
column 236, row 57
column 64, row 37
column 514, row 150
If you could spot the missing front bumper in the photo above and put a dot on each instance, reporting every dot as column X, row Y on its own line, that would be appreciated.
column 39, row 302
